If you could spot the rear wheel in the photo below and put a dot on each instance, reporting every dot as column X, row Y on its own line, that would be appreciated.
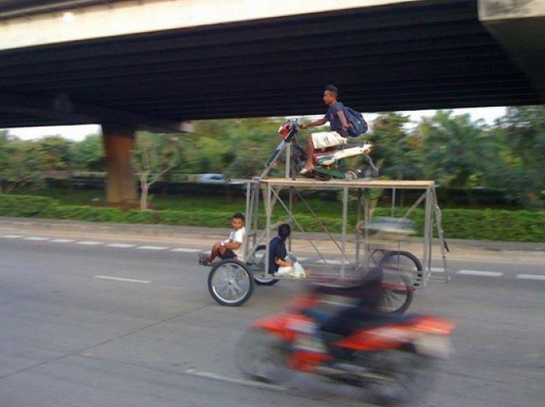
column 400, row 270
column 262, row 356
column 257, row 265
column 403, row 261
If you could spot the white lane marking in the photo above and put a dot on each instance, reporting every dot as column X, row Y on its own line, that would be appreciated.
column 250, row 383
column 530, row 277
column 62, row 240
column 152, row 247
column 36, row 238
column 128, row 280
column 437, row 269
column 301, row 259
column 12, row 236
column 184, row 250
column 480, row 273
column 120, row 245
column 329, row 261
column 89, row 242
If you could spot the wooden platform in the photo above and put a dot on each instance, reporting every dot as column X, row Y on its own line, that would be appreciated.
column 358, row 184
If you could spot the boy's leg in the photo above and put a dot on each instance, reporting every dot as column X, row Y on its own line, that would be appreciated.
column 319, row 141
column 309, row 165
column 216, row 251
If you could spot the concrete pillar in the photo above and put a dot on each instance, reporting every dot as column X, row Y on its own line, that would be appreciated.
column 119, row 142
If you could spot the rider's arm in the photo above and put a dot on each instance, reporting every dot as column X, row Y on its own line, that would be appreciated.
column 315, row 123
column 342, row 118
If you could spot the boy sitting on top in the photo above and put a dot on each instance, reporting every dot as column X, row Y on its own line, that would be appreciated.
column 232, row 248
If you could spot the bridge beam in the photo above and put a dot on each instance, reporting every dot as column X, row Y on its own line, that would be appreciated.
column 61, row 107
column 119, row 144
column 519, row 26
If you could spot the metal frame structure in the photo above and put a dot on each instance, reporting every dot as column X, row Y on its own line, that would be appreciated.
column 270, row 189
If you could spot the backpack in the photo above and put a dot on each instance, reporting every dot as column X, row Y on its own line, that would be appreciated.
column 358, row 123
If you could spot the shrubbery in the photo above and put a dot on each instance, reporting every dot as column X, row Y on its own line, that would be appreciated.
column 487, row 224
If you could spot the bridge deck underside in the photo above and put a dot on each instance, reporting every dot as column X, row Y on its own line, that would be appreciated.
column 418, row 55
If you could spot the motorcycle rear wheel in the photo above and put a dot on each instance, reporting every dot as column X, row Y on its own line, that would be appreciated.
column 262, row 356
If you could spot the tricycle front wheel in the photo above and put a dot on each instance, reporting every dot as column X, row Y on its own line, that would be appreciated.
column 230, row 283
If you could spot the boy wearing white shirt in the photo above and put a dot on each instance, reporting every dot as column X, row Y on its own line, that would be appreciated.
column 232, row 248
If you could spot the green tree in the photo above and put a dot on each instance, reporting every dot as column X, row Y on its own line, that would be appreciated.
column 237, row 148
column 155, row 155
column 54, row 153
column 456, row 152
column 89, row 154
column 394, row 148
column 20, row 164
column 522, row 133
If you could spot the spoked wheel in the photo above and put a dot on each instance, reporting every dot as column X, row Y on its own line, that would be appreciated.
column 262, row 356
column 400, row 271
column 401, row 378
column 398, row 293
column 257, row 265
column 405, row 262
column 230, row 283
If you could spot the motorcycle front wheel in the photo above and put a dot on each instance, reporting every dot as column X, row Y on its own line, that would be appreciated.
column 401, row 377
column 262, row 356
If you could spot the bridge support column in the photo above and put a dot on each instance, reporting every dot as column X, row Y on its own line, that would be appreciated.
column 119, row 143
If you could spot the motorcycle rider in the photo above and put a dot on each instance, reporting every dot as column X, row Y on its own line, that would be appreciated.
column 338, row 124
column 366, row 295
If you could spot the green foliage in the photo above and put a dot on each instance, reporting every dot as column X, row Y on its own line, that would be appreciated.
column 20, row 164
column 89, row 154
column 236, row 148
column 54, row 153
column 521, row 226
column 154, row 156
column 521, row 133
column 456, row 152
column 452, row 150
column 26, row 206
column 394, row 148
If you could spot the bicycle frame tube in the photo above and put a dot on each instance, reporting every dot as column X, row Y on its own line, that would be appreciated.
column 274, row 157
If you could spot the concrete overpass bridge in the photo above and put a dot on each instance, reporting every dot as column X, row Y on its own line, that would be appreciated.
column 155, row 64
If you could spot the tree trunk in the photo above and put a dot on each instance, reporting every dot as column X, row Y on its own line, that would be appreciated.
column 144, row 184
column 144, row 197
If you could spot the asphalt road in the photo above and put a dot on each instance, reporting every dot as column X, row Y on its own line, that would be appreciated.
column 127, row 321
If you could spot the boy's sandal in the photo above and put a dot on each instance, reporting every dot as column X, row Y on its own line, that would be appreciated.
column 203, row 261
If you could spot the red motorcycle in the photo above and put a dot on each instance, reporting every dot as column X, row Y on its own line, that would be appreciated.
column 391, row 358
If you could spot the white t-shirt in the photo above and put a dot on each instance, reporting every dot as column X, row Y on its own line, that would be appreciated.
column 238, row 237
